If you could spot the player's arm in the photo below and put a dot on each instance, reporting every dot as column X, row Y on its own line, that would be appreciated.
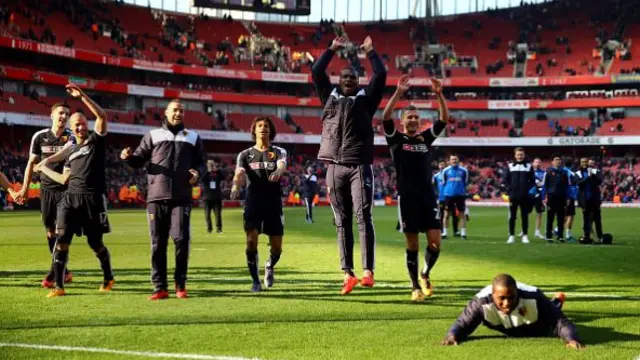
column 378, row 81
column 100, row 126
column 35, row 154
column 6, row 185
column 563, row 327
column 387, row 114
column 239, row 175
column 580, row 180
column 59, row 156
column 198, row 163
column 430, row 135
column 54, row 175
column 506, row 182
column 141, row 155
column 466, row 324
column 319, row 71
column 281, row 165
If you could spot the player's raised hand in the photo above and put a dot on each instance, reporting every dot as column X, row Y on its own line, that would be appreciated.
column 576, row 345
column 339, row 43
column 195, row 177
column 436, row 86
column 403, row 84
column 450, row 340
column 367, row 45
column 74, row 90
column 125, row 154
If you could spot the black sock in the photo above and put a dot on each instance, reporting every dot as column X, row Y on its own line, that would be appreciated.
column 430, row 258
column 105, row 263
column 274, row 258
column 52, row 243
column 252, row 264
column 60, row 261
column 455, row 224
column 412, row 267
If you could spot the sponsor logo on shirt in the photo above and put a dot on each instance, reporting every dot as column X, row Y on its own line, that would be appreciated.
column 415, row 148
column 49, row 149
column 262, row 165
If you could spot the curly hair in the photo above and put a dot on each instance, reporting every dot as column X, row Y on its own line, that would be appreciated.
column 272, row 127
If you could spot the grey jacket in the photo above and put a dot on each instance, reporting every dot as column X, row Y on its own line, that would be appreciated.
column 169, row 158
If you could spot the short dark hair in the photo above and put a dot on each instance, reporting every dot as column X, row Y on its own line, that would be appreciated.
column 350, row 68
column 59, row 104
column 272, row 127
column 453, row 154
column 537, row 158
column 518, row 149
column 175, row 100
column 556, row 155
column 408, row 108
column 504, row 280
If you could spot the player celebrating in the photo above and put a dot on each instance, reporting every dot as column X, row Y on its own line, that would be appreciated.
column 438, row 186
column 519, row 181
column 83, row 207
column 347, row 143
column 456, row 178
column 46, row 143
column 538, row 201
column 309, row 191
column 263, row 164
column 417, row 207
column 212, row 182
column 175, row 158
column 514, row 309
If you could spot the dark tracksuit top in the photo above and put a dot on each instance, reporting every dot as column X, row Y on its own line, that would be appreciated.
column 519, row 180
column 535, row 315
column 556, row 183
column 347, row 143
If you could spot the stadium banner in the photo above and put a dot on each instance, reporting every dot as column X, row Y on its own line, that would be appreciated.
column 100, row 58
column 508, row 104
column 12, row 118
column 143, row 90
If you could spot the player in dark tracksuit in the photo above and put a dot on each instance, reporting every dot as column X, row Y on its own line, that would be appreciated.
column 53, row 142
column 520, row 184
column 174, row 157
column 347, row 143
column 555, row 184
column 212, row 182
column 83, row 208
column 589, row 179
column 309, row 191
column 417, row 206
column 263, row 164
column 516, row 310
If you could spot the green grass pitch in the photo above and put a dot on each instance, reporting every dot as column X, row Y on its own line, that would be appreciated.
column 303, row 316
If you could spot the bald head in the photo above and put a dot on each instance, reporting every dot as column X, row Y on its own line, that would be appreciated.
column 79, row 125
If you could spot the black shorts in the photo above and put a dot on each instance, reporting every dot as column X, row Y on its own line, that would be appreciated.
column 83, row 214
column 538, row 205
column 442, row 206
column 571, row 208
column 418, row 214
column 265, row 216
column 49, row 200
column 456, row 203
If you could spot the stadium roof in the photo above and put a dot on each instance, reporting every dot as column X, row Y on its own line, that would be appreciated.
column 347, row 10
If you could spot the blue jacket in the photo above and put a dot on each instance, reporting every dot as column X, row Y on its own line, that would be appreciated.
column 455, row 180
column 572, row 189
column 539, row 182
column 438, row 185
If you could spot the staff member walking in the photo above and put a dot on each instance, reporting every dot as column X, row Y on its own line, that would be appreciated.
column 175, row 158
column 212, row 183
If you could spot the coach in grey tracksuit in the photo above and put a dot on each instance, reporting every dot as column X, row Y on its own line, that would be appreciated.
column 347, row 142
column 175, row 158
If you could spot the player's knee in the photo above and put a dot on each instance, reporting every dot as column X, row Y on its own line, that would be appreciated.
column 413, row 244
column 62, row 246
column 51, row 233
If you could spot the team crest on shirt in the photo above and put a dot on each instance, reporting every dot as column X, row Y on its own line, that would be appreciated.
column 272, row 155
column 419, row 137
column 64, row 138
column 523, row 311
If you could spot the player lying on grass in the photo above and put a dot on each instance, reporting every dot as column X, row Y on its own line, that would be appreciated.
column 82, row 210
column 514, row 309
column 417, row 206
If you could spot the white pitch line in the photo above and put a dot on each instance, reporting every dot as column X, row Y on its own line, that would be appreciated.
column 124, row 352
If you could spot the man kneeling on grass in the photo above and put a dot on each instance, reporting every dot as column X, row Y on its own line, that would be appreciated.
column 514, row 309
